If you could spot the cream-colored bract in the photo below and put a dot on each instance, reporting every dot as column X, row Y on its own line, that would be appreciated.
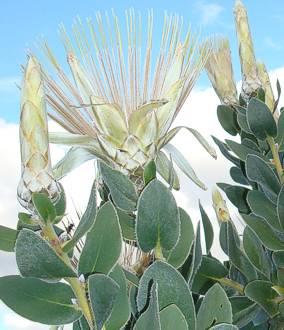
column 126, row 91
column 35, row 159
column 220, row 72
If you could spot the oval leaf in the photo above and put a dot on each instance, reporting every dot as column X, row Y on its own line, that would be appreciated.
column 150, row 318
column 8, row 238
column 36, row 258
column 215, row 308
column 260, row 172
column 260, row 119
column 121, row 188
column 172, row 318
column 172, row 289
column 121, row 309
column 157, row 218
column 98, row 255
column 177, row 256
column 262, row 293
column 39, row 301
column 103, row 293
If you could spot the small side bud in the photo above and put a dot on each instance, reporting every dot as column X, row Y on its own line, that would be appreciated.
column 220, row 206
column 220, row 72
column 35, row 159
column 251, row 82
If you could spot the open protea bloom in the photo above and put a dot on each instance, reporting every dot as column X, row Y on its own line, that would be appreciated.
column 119, row 107
column 37, row 173
column 220, row 72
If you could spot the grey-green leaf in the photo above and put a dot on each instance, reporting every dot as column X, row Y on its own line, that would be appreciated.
column 238, row 257
column 127, row 225
column 207, row 227
column 39, row 301
column 36, row 258
column 121, row 309
column 196, row 257
column 98, row 255
column 260, row 205
column 149, row 172
column 172, row 289
column 260, row 119
column 150, row 318
column 103, row 292
column 8, row 238
column 260, row 172
column 280, row 207
column 157, row 218
column 209, row 270
column 262, row 293
column 255, row 252
column 215, row 308
column 177, row 256
column 265, row 233
column 122, row 190
column 44, row 207
column 228, row 119
column 172, row 318
column 242, row 150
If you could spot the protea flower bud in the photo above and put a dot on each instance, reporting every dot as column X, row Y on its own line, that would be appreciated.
column 36, row 166
column 266, row 85
column 251, row 82
column 220, row 72
column 220, row 206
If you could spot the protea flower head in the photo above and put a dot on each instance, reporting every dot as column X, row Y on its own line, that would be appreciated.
column 251, row 82
column 36, row 167
column 220, row 72
column 125, row 92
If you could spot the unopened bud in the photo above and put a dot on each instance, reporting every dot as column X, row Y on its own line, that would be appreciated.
column 35, row 159
column 220, row 72
column 220, row 206
column 251, row 82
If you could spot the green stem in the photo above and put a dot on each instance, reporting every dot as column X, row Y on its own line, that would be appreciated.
column 276, row 158
column 230, row 283
column 76, row 285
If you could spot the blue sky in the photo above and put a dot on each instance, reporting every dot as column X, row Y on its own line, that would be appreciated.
column 24, row 22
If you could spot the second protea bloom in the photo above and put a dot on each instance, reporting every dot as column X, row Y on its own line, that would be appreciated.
column 220, row 72
column 251, row 82
column 125, row 92
column 36, row 167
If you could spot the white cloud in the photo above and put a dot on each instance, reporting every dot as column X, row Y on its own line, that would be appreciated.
column 209, row 11
column 199, row 112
